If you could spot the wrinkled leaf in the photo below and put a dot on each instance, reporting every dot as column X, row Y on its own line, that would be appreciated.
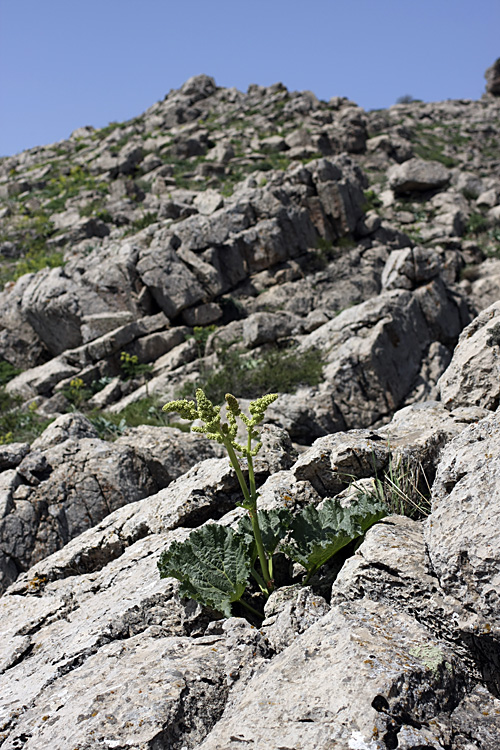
column 212, row 564
column 273, row 525
column 318, row 534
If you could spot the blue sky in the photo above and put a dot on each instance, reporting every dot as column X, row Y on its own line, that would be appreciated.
column 64, row 64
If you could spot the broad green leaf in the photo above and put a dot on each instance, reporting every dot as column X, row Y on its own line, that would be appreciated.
column 318, row 534
column 273, row 526
column 212, row 564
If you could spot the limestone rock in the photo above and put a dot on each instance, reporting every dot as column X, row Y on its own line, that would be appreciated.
column 461, row 533
column 62, row 490
column 168, row 452
column 55, row 305
column 346, row 662
column 418, row 175
column 472, row 377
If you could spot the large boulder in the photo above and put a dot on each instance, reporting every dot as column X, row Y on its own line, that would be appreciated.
column 473, row 375
column 492, row 76
column 58, row 491
column 463, row 539
column 417, row 175
column 373, row 352
column 54, row 305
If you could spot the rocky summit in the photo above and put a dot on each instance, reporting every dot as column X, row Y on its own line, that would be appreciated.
column 252, row 243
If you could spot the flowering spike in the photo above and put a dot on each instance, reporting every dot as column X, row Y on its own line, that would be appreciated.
column 207, row 411
column 259, row 406
column 185, row 408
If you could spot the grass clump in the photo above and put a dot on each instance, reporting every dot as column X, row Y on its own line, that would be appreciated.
column 403, row 488
column 248, row 373
column 477, row 224
column 131, row 367
column 372, row 201
column 145, row 221
column 19, row 424
column 7, row 371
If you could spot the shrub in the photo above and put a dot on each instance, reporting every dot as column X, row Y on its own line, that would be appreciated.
column 405, row 99
column 145, row 221
column 144, row 411
column 200, row 335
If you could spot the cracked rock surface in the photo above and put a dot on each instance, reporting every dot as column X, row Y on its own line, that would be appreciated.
column 255, row 242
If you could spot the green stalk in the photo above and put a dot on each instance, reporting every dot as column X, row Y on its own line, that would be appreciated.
column 260, row 580
column 260, row 548
column 250, row 608
column 236, row 466
column 251, row 506
column 251, row 474
column 264, row 564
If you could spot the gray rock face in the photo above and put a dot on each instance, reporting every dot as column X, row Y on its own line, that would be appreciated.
column 167, row 452
column 55, row 305
column 462, row 534
column 266, row 217
column 147, row 636
column 384, row 691
column 59, row 492
column 71, row 480
column 374, row 352
column 397, row 657
column 473, row 374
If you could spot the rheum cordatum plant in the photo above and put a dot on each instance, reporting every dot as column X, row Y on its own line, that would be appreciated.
column 215, row 563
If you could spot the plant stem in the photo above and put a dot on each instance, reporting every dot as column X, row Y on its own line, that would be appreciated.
column 251, row 506
column 251, row 474
column 259, row 580
column 260, row 548
column 251, row 609
column 236, row 466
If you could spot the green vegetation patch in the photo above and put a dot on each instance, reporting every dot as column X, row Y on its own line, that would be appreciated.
column 248, row 373
column 18, row 424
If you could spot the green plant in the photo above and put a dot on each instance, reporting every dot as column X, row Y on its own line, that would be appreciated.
column 372, row 201
column 17, row 423
column 346, row 242
column 477, row 224
column 200, row 335
column 215, row 563
column 431, row 147
column 108, row 428
column 403, row 488
column 77, row 393
column 145, row 221
column 131, row 367
column 144, row 411
column 7, row 371
column 250, row 373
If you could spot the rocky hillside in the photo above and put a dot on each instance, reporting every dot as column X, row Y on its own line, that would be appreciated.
column 253, row 243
